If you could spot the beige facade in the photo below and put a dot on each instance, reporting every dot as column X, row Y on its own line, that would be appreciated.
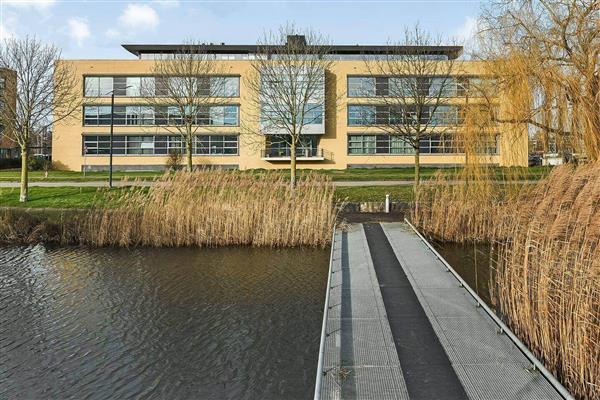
column 68, row 145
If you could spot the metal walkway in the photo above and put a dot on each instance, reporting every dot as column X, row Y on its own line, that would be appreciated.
column 425, row 337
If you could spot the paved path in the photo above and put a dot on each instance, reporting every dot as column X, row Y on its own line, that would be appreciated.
column 401, row 326
column 149, row 183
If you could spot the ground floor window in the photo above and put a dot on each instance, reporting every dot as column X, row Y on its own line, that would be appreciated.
column 142, row 145
column 435, row 144
column 279, row 146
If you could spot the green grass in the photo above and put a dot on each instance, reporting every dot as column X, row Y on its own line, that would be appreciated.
column 54, row 197
column 85, row 197
column 13, row 175
column 384, row 174
column 358, row 174
column 373, row 193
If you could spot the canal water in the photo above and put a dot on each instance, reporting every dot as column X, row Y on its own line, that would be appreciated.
column 228, row 323
column 231, row 323
column 472, row 262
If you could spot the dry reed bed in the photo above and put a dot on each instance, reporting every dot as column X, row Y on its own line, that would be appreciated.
column 217, row 208
column 546, row 283
column 548, row 276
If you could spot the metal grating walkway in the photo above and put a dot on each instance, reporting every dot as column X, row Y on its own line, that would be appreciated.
column 360, row 359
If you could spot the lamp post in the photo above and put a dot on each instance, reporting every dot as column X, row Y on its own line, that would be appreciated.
column 110, row 145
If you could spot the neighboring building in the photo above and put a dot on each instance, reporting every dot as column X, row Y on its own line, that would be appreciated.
column 338, row 140
column 8, row 89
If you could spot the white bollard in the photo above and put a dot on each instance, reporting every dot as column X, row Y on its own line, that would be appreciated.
column 387, row 203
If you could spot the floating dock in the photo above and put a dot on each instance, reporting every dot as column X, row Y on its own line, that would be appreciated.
column 399, row 323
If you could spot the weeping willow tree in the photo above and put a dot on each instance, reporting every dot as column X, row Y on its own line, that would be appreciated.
column 545, row 56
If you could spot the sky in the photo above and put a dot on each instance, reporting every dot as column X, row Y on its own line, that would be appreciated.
column 96, row 29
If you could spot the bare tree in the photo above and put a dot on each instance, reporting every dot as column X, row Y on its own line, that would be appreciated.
column 286, row 89
column 551, row 49
column 187, row 85
column 46, row 92
column 411, row 87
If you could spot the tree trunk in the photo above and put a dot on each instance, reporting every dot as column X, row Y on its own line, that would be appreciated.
column 24, row 176
column 417, row 170
column 293, row 165
column 189, row 151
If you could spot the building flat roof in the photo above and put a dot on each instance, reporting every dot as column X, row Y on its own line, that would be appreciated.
column 452, row 52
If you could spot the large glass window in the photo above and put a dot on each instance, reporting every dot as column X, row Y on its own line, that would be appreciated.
column 225, row 115
column 390, row 144
column 147, row 86
column 313, row 114
column 361, row 115
column 145, row 145
column 405, row 86
column 361, row 86
column 226, row 86
column 222, row 115
column 92, row 86
column 106, row 86
column 216, row 144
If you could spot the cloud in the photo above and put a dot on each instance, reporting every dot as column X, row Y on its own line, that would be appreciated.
column 8, row 26
column 139, row 17
column 39, row 4
column 78, row 30
column 466, row 32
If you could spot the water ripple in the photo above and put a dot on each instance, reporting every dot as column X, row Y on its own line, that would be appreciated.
column 235, row 323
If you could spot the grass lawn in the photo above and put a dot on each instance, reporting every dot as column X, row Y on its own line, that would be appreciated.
column 85, row 197
column 358, row 174
column 8, row 175
column 373, row 193
column 50, row 197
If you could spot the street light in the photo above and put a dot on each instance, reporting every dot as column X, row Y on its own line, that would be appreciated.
column 110, row 146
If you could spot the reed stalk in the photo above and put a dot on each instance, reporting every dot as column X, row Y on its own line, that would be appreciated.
column 546, row 278
column 216, row 208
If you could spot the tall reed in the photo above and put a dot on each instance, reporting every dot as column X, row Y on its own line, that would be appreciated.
column 548, row 275
column 546, row 279
column 216, row 208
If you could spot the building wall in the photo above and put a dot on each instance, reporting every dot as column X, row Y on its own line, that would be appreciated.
column 67, row 135
column 8, row 89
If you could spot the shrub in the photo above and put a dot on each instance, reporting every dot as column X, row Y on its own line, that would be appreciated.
column 174, row 160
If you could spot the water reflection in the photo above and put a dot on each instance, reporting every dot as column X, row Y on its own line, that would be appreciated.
column 239, row 323
column 471, row 262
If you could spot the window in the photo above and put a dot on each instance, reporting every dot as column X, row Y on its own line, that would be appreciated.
column 389, row 144
column 160, row 115
column 105, row 86
column 362, row 144
column 442, row 87
column 146, row 115
column 120, row 115
column 361, row 86
column 225, row 86
column 313, row 114
column 444, row 115
column 90, row 115
column 216, row 144
column 382, row 87
column 175, row 143
column 361, row 115
column 223, row 115
column 91, row 86
column 120, row 86
column 144, row 145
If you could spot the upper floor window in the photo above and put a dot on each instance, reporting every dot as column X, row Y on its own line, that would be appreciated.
column 373, row 86
column 372, row 115
column 132, row 115
column 149, row 86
